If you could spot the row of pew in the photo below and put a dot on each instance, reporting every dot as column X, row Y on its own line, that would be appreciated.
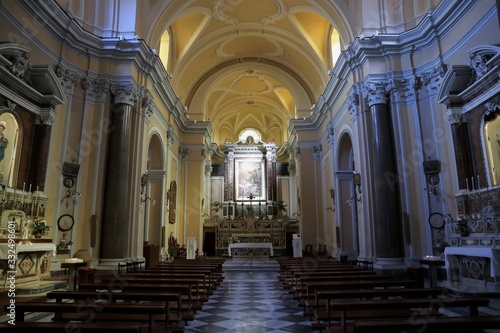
column 343, row 298
column 160, row 299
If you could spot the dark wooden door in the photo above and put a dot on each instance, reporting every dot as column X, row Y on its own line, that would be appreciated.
column 209, row 243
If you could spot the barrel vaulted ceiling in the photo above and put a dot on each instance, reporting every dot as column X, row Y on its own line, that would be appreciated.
column 245, row 63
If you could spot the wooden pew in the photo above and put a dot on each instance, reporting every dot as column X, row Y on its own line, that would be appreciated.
column 208, row 285
column 397, row 307
column 113, row 297
column 465, row 324
column 196, row 296
column 124, row 286
column 305, row 281
column 50, row 327
column 94, row 312
column 326, row 297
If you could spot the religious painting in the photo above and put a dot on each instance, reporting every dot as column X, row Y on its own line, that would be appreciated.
column 250, row 180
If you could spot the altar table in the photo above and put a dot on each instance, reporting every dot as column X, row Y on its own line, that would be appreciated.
column 32, row 261
column 251, row 246
column 480, row 262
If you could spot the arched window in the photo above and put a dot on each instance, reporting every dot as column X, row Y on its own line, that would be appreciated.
column 165, row 48
column 250, row 134
column 335, row 45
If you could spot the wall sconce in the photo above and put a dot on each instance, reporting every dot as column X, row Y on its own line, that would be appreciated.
column 357, row 195
column 332, row 195
column 144, row 197
column 71, row 194
column 432, row 184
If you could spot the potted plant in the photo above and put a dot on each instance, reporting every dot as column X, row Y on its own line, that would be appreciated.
column 463, row 228
column 173, row 247
column 40, row 228
column 250, row 211
column 281, row 207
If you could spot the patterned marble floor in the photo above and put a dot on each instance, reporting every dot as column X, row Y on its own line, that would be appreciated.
column 251, row 299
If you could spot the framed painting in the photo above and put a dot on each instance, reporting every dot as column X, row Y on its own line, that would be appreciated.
column 250, row 180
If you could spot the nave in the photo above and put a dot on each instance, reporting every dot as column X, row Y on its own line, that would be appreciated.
column 269, row 296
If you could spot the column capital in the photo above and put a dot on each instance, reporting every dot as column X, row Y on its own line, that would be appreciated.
column 148, row 107
column 47, row 117
column 292, row 167
column 208, row 167
column 125, row 93
column 353, row 104
column 183, row 153
column 331, row 134
column 318, row 154
column 454, row 115
column 432, row 80
column 170, row 136
column 376, row 92
column 96, row 89
column 404, row 88
column 492, row 106
column 67, row 78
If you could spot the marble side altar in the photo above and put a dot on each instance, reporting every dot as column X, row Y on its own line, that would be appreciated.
column 473, row 264
column 32, row 261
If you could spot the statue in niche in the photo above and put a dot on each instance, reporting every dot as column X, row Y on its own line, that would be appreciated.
column 3, row 141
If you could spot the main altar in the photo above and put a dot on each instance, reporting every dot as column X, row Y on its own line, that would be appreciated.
column 271, row 232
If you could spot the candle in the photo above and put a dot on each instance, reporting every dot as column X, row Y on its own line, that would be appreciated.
column 472, row 182
column 496, row 180
column 478, row 186
column 467, row 182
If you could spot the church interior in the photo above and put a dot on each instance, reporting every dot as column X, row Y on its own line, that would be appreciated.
column 248, row 138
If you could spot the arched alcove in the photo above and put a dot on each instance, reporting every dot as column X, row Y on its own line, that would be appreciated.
column 348, row 221
column 155, row 184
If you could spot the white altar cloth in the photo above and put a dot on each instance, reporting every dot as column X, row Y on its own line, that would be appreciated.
column 4, row 248
column 493, row 254
column 251, row 246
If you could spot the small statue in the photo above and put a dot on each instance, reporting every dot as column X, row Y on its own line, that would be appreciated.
column 26, row 231
column 3, row 141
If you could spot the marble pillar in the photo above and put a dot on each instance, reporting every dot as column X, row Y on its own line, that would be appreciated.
column 41, row 151
column 387, row 218
column 115, row 233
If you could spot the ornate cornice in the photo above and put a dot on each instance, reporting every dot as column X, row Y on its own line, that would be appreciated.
column 21, row 65
column 9, row 106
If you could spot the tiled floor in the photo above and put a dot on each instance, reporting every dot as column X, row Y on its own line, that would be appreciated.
column 251, row 299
